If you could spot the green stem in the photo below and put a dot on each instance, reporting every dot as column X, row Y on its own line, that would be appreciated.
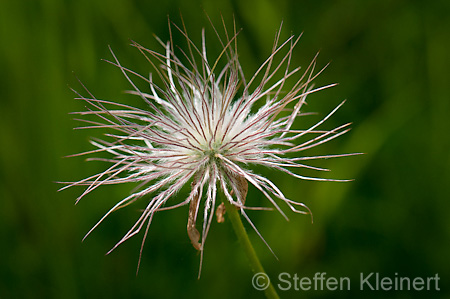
column 255, row 264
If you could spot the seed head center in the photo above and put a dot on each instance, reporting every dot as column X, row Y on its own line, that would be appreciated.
column 213, row 151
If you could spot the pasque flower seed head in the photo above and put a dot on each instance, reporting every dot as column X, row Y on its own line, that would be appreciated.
column 206, row 127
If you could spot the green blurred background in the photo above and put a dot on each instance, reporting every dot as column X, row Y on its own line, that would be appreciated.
column 391, row 60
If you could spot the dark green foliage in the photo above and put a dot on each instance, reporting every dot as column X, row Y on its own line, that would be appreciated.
column 391, row 60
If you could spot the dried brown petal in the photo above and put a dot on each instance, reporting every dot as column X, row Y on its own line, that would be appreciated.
column 193, row 233
column 220, row 212
column 241, row 185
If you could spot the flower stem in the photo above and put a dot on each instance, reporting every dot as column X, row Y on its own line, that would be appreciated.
column 241, row 233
